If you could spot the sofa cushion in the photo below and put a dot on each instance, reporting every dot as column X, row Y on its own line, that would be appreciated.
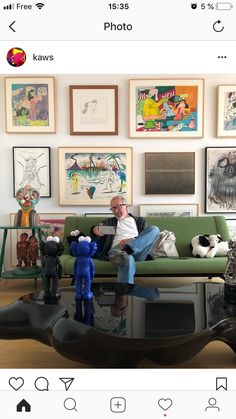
column 184, row 228
column 165, row 266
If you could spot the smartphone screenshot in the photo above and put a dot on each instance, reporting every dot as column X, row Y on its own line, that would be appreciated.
column 118, row 209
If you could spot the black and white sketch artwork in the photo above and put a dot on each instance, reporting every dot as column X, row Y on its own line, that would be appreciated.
column 31, row 166
column 221, row 179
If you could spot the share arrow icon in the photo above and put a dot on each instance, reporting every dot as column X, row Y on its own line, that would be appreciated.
column 67, row 382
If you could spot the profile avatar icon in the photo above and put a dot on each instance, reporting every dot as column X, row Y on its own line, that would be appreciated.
column 16, row 57
column 212, row 404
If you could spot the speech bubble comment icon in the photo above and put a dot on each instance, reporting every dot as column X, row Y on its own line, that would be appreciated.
column 41, row 384
column 165, row 404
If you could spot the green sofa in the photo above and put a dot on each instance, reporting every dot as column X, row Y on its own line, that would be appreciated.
column 185, row 228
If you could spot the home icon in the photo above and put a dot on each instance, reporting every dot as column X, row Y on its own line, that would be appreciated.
column 23, row 406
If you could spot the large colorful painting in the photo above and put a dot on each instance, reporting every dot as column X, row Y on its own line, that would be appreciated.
column 226, row 123
column 30, row 104
column 221, row 179
column 94, row 110
column 32, row 166
column 166, row 108
column 93, row 176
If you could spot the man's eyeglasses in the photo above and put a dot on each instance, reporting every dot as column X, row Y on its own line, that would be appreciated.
column 117, row 207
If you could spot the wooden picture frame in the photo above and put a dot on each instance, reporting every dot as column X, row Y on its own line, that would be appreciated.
column 32, row 166
column 30, row 105
column 56, row 221
column 169, row 210
column 169, row 173
column 220, row 179
column 93, row 110
column 166, row 108
column 94, row 175
column 226, row 111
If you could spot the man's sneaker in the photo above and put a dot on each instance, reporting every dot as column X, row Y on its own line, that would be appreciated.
column 128, row 249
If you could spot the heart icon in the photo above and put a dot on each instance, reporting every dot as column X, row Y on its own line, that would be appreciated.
column 16, row 383
column 165, row 404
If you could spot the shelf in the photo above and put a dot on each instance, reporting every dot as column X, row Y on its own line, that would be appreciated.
column 12, row 274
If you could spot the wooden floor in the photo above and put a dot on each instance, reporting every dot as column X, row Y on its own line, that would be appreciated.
column 31, row 354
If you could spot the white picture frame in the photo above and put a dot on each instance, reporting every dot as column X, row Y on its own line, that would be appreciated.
column 169, row 210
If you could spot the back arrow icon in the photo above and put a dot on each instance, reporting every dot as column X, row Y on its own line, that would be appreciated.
column 10, row 26
column 218, row 29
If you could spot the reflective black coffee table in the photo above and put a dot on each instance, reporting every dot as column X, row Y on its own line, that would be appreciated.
column 166, row 326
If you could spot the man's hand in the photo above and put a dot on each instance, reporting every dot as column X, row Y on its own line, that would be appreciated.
column 97, row 232
column 124, row 242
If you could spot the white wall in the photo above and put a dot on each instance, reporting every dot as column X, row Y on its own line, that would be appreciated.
column 140, row 146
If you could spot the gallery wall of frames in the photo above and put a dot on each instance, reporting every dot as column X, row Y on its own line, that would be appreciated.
column 165, row 143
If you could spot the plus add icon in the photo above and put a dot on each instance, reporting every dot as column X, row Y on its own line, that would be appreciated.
column 118, row 404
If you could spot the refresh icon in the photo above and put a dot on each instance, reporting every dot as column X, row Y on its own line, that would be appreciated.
column 217, row 26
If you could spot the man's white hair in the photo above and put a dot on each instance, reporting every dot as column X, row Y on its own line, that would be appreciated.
column 122, row 198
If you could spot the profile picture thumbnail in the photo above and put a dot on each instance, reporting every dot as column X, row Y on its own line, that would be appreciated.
column 16, row 57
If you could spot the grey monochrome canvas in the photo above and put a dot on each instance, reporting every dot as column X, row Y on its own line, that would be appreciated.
column 169, row 173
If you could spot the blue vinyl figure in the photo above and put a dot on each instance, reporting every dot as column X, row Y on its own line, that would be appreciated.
column 84, row 269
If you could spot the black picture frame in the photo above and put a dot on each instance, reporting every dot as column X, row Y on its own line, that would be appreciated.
column 220, row 180
column 32, row 166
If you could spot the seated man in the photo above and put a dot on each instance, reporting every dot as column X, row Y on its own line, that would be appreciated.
column 132, row 241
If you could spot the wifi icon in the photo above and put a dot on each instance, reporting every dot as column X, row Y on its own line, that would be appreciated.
column 39, row 5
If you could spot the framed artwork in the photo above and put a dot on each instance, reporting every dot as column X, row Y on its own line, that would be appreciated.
column 226, row 111
column 30, row 105
column 220, row 191
column 94, row 175
column 169, row 173
column 166, row 108
column 56, row 222
column 32, row 166
column 231, row 223
column 94, row 110
column 169, row 210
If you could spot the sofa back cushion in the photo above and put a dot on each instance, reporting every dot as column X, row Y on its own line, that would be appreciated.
column 184, row 228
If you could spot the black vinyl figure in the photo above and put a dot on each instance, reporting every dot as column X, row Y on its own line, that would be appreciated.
column 51, row 265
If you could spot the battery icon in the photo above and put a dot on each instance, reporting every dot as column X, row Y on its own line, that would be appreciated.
column 224, row 6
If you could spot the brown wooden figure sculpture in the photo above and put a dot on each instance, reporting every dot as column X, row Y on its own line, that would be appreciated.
column 22, row 251
column 33, row 252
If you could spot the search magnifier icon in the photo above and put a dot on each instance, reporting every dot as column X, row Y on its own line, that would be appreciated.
column 70, row 404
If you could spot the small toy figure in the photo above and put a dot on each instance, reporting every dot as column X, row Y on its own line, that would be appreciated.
column 84, row 272
column 27, row 198
column 33, row 252
column 73, row 237
column 22, row 251
column 52, row 268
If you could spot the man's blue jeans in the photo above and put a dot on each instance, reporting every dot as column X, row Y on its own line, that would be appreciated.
column 141, row 247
